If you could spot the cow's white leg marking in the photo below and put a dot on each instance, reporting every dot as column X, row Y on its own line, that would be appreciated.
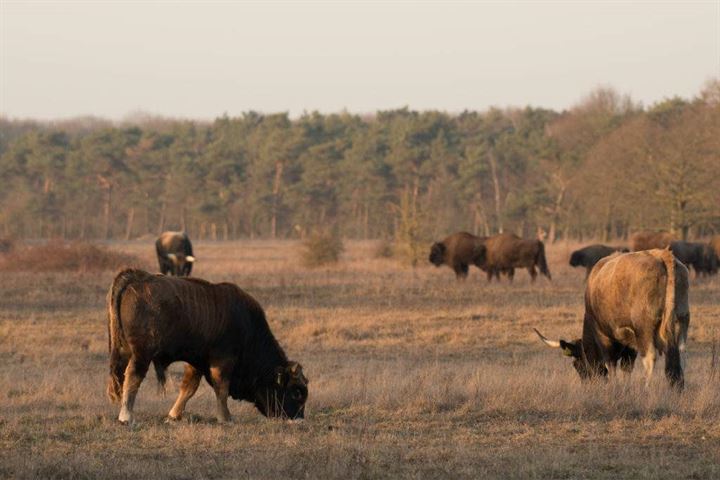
column 134, row 374
column 648, row 361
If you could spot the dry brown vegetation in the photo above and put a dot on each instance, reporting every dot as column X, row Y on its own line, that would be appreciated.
column 413, row 375
column 56, row 256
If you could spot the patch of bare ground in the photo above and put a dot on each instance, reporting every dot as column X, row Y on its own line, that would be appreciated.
column 412, row 375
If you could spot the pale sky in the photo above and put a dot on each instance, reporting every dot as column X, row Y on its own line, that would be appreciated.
column 198, row 59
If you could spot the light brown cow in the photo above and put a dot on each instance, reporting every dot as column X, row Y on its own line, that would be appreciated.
column 507, row 251
column 649, row 239
column 635, row 304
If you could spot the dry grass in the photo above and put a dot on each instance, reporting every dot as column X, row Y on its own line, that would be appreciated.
column 412, row 375
column 56, row 256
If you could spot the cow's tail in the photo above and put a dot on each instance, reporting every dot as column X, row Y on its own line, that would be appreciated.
column 541, row 261
column 118, row 362
column 665, row 333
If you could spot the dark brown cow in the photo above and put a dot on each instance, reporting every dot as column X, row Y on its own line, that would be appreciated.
column 507, row 251
column 588, row 256
column 649, row 239
column 217, row 329
column 700, row 256
column 635, row 303
column 459, row 251
column 174, row 254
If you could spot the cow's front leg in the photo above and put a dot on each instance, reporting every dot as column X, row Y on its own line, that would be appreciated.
column 188, row 387
column 134, row 375
column 220, row 376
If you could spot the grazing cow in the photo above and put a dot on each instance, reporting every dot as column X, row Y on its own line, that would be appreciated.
column 507, row 251
column 459, row 251
column 700, row 256
column 217, row 329
column 635, row 304
column 649, row 239
column 174, row 253
column 588, row 256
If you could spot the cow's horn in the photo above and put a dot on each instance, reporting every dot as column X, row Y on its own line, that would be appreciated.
column 549, row 343
column 189, row 258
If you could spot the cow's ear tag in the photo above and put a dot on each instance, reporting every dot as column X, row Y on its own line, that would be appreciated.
column 279, row 376
column 567, row 352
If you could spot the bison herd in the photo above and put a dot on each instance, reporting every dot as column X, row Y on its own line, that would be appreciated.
column 636, row 304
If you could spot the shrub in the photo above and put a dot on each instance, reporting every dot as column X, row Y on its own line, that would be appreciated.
column 322, row 248
column 60, row 256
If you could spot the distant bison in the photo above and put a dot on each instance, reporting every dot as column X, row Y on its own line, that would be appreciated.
column 220, row 332
column 458, row 251
column 648, row 239
column 175, row 254
column 700, row 256
column 636, row 303
column 588, row 256
column 507, row 251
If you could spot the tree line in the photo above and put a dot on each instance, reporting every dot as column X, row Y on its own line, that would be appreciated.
column 601, row 169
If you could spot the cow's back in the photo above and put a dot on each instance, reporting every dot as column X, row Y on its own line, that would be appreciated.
column 186, row 317
column 629, row 290
column 174, row 242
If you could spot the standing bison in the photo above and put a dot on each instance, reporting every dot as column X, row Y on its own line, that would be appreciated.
column 217, row 329
column 507, row 251
column 459, row 251
column 700, row 256
column 649, row 239
column 636, row 303
column 174, row 253
column 588, row 256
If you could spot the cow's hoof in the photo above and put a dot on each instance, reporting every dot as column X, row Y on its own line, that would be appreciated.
column 172, row 420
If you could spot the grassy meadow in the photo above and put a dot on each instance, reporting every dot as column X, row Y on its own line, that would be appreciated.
column 412, row 375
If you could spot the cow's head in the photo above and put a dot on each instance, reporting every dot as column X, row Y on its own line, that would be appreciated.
column 586, row 368
column 576, row 259
column 287, row 394
column 182, row 264
column 437, row 254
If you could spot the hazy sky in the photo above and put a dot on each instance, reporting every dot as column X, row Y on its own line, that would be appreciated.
column 200, row 59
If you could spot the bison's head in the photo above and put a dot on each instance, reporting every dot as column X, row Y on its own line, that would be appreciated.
column 437, row 254
column 576, row 259
column 182, row 264
column 286, row 396
column 585, row 367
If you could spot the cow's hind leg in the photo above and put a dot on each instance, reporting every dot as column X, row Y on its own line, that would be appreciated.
column 220, row 376
column 648, row 361
column 134, row 375
column 188, row 387
column 533, row 273
column 673, row 368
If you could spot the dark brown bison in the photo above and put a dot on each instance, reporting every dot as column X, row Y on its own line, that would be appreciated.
column 635, row 303
column 507, row 251
column 174, row 253
column 649, row 239
column 700, row 256
column 588, row 256
column 459, row 251
column 217, row 329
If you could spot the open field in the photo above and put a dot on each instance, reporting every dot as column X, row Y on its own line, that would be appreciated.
column 411, row 375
